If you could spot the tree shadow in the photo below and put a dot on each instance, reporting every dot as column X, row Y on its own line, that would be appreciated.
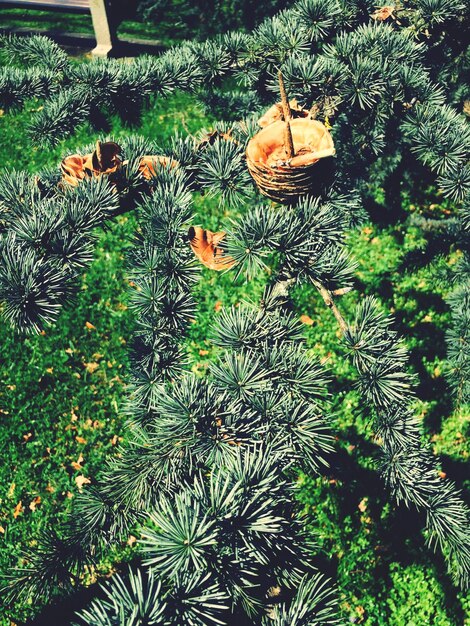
column 429, row 342
column 457, row 471
column 399, row 535
column 63, row 611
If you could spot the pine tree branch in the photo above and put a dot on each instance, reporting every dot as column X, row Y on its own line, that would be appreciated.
column 328, row 299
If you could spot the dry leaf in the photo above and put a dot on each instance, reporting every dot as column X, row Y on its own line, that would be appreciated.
column 206, row 246
column 80, row 439
column 305, row 319
column 81, row 480
column 50, row 489
column 11, row 491
column 19, row 508
column 203, row 352
column 274, row 592
column 77, row 465
column 34, row 503
column 383, row 13
column 210, row 138
column 105, row 157
column 28, row 436
column 90, row 326
column 150, row 165
column 362, row 506
column 217, row 305
column 91, row 367
column 104, row 160
column 131, row 541
column 2, row 530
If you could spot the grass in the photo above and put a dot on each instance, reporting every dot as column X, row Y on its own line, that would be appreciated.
column 80, row 23
column 61, row 395
column 61, row 392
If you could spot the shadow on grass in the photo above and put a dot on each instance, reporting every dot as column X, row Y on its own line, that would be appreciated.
column 63, row 611
column 396, row 537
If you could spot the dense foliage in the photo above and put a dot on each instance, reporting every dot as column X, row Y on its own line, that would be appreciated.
column 200, row 19
column 208, row 470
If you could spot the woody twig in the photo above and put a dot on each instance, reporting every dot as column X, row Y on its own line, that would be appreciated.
column 287, row 117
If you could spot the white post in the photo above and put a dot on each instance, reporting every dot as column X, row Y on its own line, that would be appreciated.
column 105, row 34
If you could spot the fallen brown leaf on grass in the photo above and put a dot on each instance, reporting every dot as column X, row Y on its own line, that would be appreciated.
column 19, row 508
column 81, row 480
column 150, row 165
column 104, row 160
column 305, row 319
column 91, row 367
column 362, row 506
column 383, row 13
column 77, row 465
column 206, row 246
column 34, row 503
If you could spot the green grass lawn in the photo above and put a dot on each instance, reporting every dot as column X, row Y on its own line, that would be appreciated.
column 62, row 394
column 80, row 23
